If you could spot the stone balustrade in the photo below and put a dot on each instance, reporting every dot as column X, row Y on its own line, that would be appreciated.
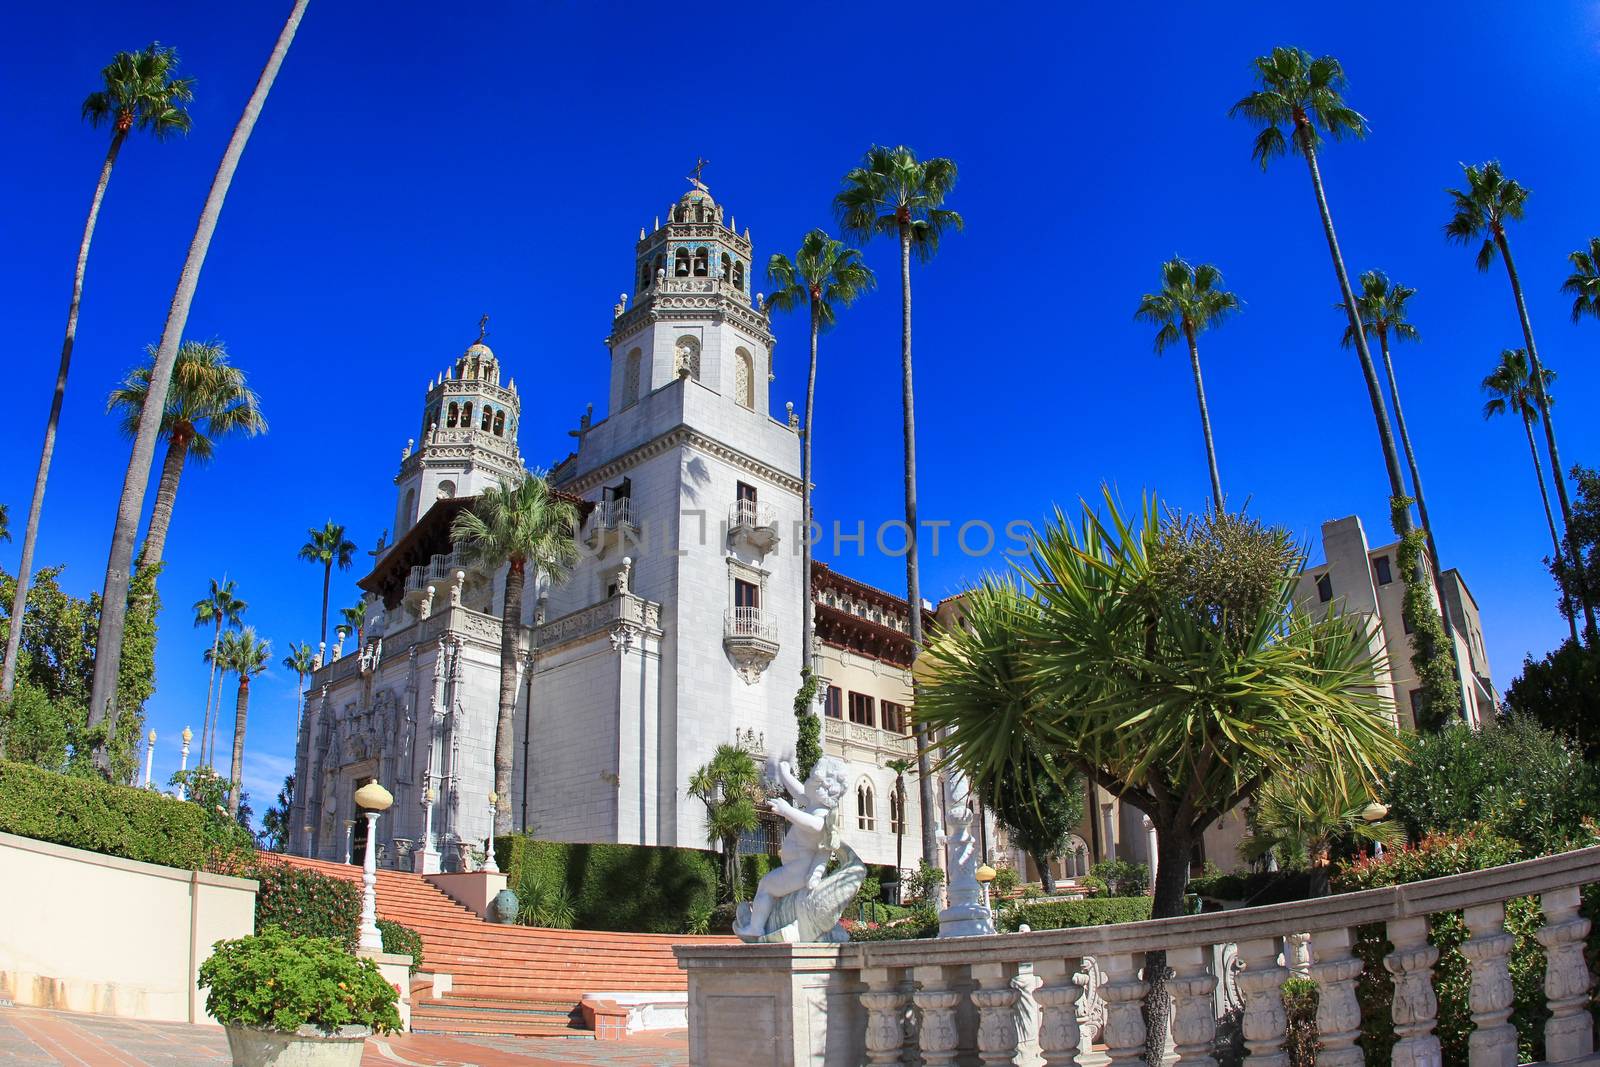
column 1034, row 998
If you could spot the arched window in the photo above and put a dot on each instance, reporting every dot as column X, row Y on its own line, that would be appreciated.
column 727, row 266
column 466, row 415
column 630, row 379
column 447, row 489
column 688, row 357
column 644, row 275
column 661, row 265
column 680, row 263
column 744, row 379
column 488, row 418
column 897, row 815
column 702, row 263
column 738, row 275
column 500, row 424
column 410, row 515
column 866, row 817
column 454, row 416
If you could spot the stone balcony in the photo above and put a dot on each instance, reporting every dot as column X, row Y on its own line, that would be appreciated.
column 611, row 522
column 858, row 741
column 1047, row 997
column 750, row 637
column 753, row 524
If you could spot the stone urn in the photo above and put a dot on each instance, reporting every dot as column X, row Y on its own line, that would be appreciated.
column 403, row 847
column 305, row 1047
column 504, row 907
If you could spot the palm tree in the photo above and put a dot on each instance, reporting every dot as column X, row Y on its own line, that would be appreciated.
column 516, row 525
column 1299, row 817
column 730, row 788
column 894, row 193
column 1482, row 210
column 824, row 276
column 355, row 619
column 1191, row 300
column 119, row 562
column 217, row 609
column 246, row 657
column 899, row 767
column 1584, row 281
column 140, row 93
column 329, row 547
column 1511, row 393
column 302, row 660
column 208, row 398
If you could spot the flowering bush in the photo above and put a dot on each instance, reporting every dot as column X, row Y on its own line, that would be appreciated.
column 401, row 940
column 276, row 981
column 300, row 901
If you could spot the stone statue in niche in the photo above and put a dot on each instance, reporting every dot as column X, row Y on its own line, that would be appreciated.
column 800, row 900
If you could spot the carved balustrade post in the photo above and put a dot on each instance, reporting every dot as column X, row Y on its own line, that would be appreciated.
column 1494, row 1040
column 1416, row 1008
column 938, row 1037
column 1261, row 982
column 1569, row 1032
column 1194, row 1016
column 887, row 1007
column 1059, row 1039
column 1124, row 995
column 1338, row 1011
column 996, row 1000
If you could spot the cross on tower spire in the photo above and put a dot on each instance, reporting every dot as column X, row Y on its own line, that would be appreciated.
column 483, row 329
column 694, row 180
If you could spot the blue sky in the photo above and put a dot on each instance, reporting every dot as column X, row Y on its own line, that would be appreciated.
column 415, row 169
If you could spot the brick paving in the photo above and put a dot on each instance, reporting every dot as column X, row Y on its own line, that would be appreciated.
column 35, row 1036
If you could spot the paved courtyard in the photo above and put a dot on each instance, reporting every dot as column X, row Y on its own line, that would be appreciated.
column 33, row 1036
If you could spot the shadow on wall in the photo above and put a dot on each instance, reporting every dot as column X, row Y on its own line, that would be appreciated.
column 695, row 475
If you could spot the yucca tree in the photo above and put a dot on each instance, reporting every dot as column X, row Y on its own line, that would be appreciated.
column 139, row 93
column 130, row 505
column 209, row 398
column 246, row 656
column 302, row 660
column 1583, row 284
column 220, row 608
column 1511, row 393
column 1191, row 300
column 730, row 788
column 823, row 277
column 523, row 527
column 895, row 194
column 331, row 548
column 1483, row 208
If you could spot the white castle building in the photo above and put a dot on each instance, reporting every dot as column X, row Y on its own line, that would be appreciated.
column 678, row 630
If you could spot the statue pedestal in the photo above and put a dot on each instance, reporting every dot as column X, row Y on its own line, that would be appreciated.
column 426, row 861
column 966, row 920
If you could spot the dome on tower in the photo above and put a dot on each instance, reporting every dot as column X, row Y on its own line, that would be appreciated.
column 478, row 350
column 698, row 195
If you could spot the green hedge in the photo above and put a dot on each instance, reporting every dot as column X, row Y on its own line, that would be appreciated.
column 637, row 888
column 115, row 820
column 402, row 940
column 1067, row 914
column 1255, row 887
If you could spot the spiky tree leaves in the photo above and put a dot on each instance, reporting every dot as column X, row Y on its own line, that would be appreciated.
column 729, row 785
column 331, row 548
column 1583, row 284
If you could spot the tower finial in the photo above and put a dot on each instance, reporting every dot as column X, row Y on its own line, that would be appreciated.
column 699, row 165
column 483, row 329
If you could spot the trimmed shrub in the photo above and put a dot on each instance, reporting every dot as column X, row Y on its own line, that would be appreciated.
column 276, row 981
column 402, row 940
column 1254, row 887
column 637, row 888
column 1123, row 879
column 1068, row 914
column 115, row 820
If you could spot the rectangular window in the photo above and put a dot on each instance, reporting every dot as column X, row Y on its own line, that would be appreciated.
column 1324, row 588
column 1380, row 569
column 833, row 703
column 746, row 594
column 894, row 717
column 745, row 493
column 861, row 709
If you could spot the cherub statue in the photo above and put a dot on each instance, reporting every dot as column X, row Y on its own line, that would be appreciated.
column 797, row 894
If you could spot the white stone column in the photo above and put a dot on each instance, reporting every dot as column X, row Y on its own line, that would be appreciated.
column 1059, row 1038
column 1416, row 1008
column 1493, row 1042
column 1108, row 835
column 1194, row 1018
column 1261, row 982
column 1338, row 1011
column 1569, row 1032
column 1123, row 992
column 996, row 1000
column 1152, row 845
column 887, row 1006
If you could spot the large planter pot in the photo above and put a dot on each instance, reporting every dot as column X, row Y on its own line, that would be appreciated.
column 504, row 907
column 306, row 1047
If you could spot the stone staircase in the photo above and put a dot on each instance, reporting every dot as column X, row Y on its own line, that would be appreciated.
column 512, row 980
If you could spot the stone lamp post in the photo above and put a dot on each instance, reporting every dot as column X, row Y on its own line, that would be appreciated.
column 488, row 845
column 374, row 800
column 149, row 758
column 183, row 765
column 985, row 874
column 427, row 857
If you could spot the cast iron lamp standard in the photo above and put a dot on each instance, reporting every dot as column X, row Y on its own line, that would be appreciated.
column 374, row 800
column 488, row 845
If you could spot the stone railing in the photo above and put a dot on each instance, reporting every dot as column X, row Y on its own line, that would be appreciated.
column 1015, row 998
column 854, row 735
column 749, row 622
column 624, row 609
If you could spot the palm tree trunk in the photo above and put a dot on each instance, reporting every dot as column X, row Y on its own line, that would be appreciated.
column 510, row 629
column 930, row 836
column 1550, row 520
column 155, row 538
column 806, row 616
column 899, row 840
column 1536, row 372
column 211, row 684
column 327, row 578
column 114, row 600
column 1205, row 418
column 241, row 709
column 30, row 533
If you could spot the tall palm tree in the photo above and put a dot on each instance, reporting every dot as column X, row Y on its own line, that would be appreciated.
column 119, row 562
column 208, row 398
column 1191, row 300
column 355, row 619
column 246, row 657
column 899, row 766
column 1583, row 284
column 1511, row 393
column 823, row 277
column 515, row 526
column 894, row 193
column 329, row 547
column 302, row 660
column 219, row 608
column 140, row 93
column 1482, row 209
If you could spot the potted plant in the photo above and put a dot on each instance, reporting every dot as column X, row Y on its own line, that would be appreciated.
column 300, row 1000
